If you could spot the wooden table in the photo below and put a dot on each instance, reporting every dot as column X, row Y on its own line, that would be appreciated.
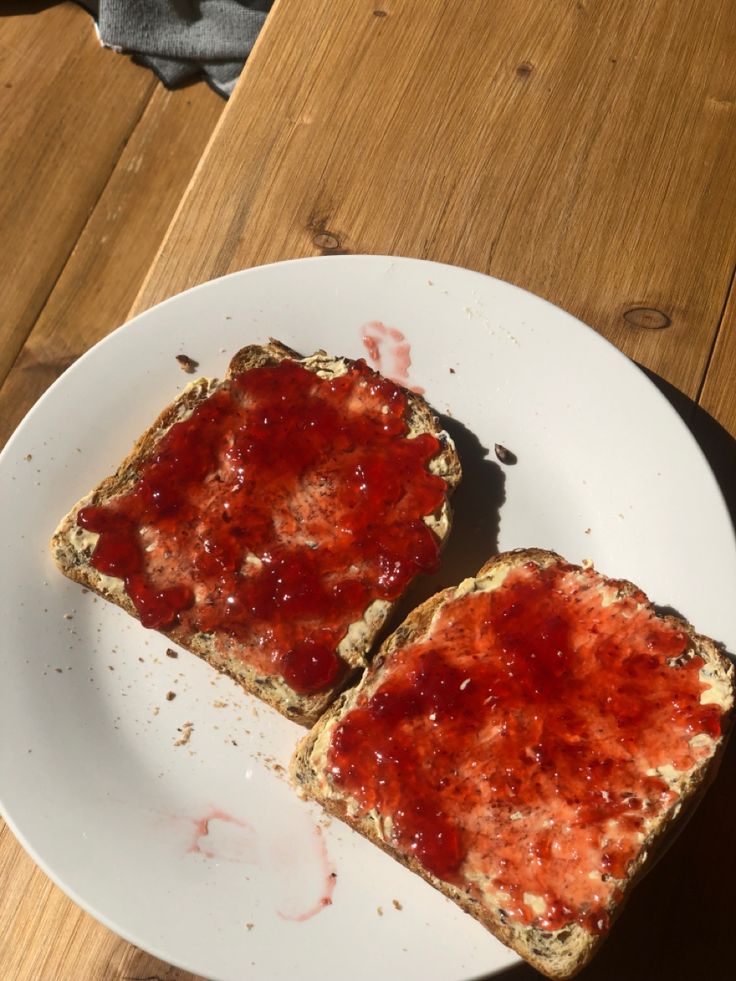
column 584, row 150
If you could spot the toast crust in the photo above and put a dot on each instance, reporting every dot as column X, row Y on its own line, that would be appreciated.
column 556, row 953
column 72, row 547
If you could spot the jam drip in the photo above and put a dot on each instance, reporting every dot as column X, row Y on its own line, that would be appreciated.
column 274, row 515
column 518, row 743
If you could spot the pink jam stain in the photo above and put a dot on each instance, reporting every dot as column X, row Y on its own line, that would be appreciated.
column 389, row 352
column 330, row 878
column 222, row 837
column 219, row 836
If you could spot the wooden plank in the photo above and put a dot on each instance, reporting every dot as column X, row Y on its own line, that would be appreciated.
column 108, row 263
column 583, row 151
column 66, row 110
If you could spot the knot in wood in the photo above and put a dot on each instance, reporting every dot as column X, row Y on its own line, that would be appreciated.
column 325, row 240
column 647, row 317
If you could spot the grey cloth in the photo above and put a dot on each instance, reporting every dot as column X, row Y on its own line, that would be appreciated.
column 181, row 39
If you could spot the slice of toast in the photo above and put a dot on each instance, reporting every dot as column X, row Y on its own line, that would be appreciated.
column 527, row 742
column 269, row 522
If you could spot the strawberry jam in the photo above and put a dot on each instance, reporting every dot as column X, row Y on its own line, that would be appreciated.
column 515, row 749
column 274, row 515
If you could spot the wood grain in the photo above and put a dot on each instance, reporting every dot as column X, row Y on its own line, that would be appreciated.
column 581, row 150
column 106, row 267
column 66, row 110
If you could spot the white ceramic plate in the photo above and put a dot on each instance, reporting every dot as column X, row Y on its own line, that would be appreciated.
column 200, row 853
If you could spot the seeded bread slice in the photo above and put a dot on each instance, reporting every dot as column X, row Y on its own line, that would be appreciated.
column 558, row 952
column 72, row 546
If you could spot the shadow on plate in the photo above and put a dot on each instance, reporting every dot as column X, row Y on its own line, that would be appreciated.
column 718, row 446
column 476, row 507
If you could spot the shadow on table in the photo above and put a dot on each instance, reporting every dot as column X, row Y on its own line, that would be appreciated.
column 132, row 964
column 29, row 6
